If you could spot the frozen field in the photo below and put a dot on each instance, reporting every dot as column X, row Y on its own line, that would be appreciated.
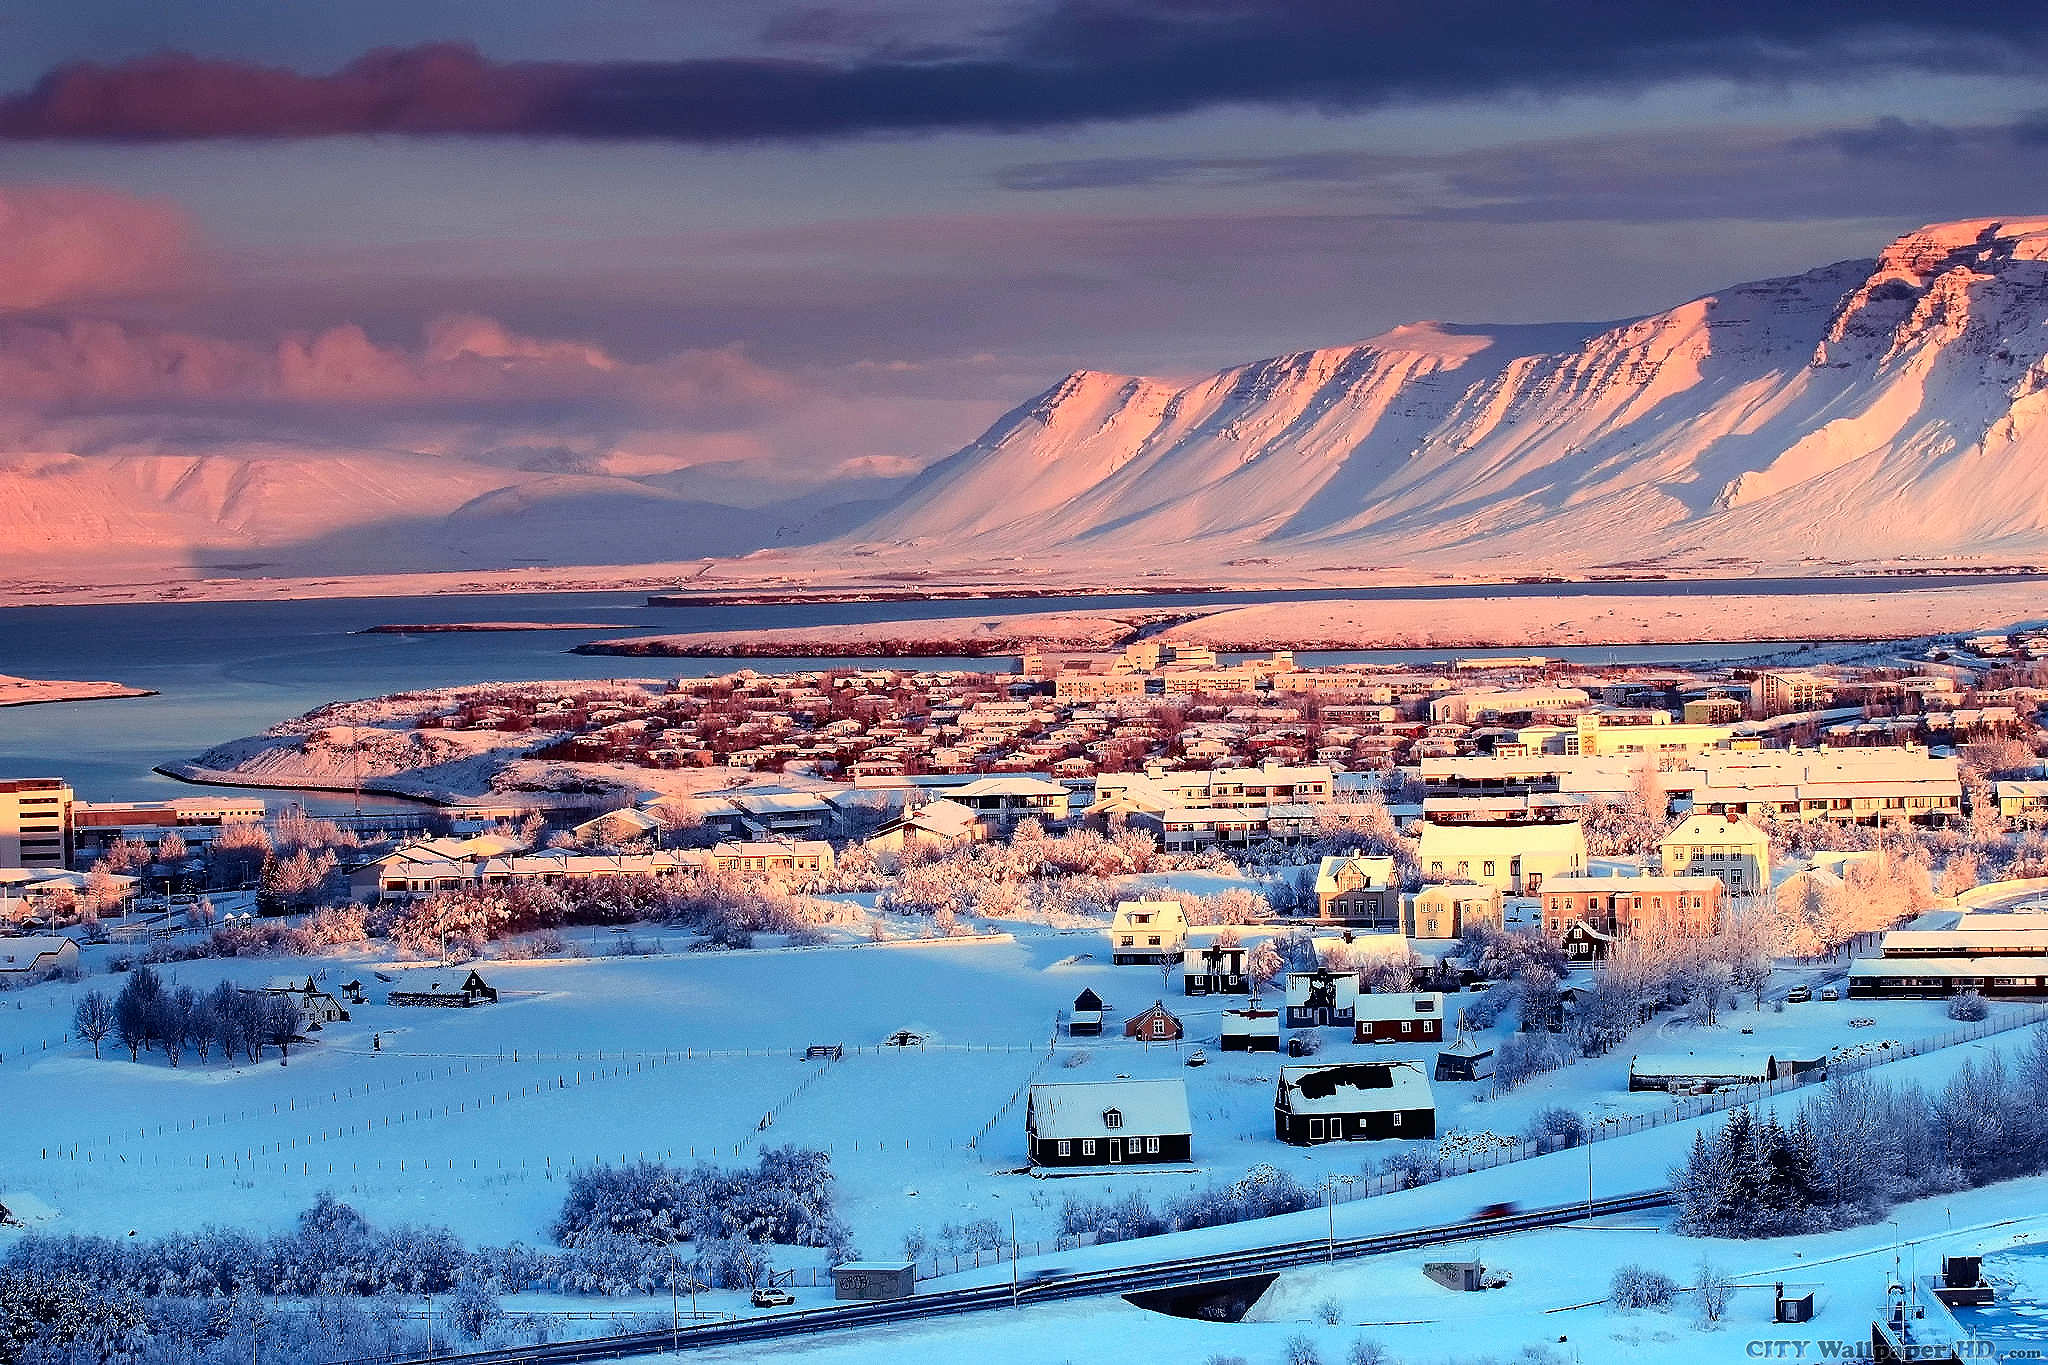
column 472, row 1118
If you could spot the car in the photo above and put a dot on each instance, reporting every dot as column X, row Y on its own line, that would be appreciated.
column 1198, row 1058
column 772, row 1298
column 1798, row 995
column 1505, row 1209
column 1830, row 993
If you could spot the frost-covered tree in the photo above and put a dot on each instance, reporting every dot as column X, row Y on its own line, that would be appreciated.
column 93, row 1018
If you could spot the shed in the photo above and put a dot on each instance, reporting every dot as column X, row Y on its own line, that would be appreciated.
column 1464, row 1060
column 1692, row 1071
column 1250, row 1030
column 1464, row 1276
column 1086, row 1020
column 871, row 1281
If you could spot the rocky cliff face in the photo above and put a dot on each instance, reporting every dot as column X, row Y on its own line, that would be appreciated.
column 1864, row 410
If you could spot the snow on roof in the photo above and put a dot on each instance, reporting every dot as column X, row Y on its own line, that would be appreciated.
column 1536, row 836
column 1691, row 881
column 2026, row 968
column 1727, row 1062
column 20, row 954
column 1962, row 941
column 1378, row 873
column 1399, row 1005
column 1080, row 1109
column 1350, row 1087
column 1163, row 913
column 1388, row 946
column 1344, row 987
column 1716, row 829
column 1010, row 786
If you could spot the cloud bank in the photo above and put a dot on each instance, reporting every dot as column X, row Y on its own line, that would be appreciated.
column 1079, row 61
column 59, row 244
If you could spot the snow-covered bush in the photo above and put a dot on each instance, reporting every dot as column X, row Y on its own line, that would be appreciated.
column 1556, row 1127
column 1968, row 1006
column 1330, row 1310
column 1365, row 1351
column 1301, row 1350
column 1635, row 1286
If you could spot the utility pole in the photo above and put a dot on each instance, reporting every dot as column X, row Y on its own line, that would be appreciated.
column 1589, row 1167
column 1330, row 1207
column 1013, row 1259
column 675, row 1305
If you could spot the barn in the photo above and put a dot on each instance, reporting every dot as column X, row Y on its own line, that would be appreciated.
column 1352, row 1102
column 1085, row 1021
column 1687, row 1071
column 1107, row 1123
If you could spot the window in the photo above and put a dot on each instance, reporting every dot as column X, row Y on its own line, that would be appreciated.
column 1151, row 1144
column 1397, row 1118
column 1112, row 1118
column 1158, row 1028
column 1407, row 1026
column 1088, row 1147
column 1489, row 867
column 1066, row 1147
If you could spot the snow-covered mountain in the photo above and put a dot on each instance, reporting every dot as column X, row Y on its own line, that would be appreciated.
column 1867, row 410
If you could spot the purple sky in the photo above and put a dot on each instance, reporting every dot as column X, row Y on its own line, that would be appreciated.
column 812, row 235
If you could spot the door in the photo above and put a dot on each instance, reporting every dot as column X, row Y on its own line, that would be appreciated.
column 1116, row 1149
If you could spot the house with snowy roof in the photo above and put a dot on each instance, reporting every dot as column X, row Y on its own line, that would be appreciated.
column 1108, row 1123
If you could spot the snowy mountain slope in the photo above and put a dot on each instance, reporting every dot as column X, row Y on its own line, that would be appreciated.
column 1865, row 410
column 299, row 510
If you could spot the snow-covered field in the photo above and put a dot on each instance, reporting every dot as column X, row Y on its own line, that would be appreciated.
column 471, row 1117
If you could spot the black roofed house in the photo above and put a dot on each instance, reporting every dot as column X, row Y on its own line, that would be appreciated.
column 1353, row 1101
column 1108, row 1123
column 1464, row 1060
column 472, row 991
column 1321, row 999
column 1250, row 1030
column 1086, row 1019
column 1215, row 970
column 316, row 1006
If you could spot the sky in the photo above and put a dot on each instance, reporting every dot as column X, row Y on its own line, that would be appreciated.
column 782, row 245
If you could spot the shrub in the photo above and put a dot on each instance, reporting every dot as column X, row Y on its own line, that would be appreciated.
column 1331, row 1311
column 1636, row 1286
column 1711, row 1298
column 1365, row 1351
column 1968, row 1006
column 1301, row 1350
column 1556, row 1128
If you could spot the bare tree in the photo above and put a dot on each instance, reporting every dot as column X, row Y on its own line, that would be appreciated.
column 94, row 1018
column 282, row 1020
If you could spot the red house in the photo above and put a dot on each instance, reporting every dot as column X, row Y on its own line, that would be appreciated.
column 1401, row 1017
column 1154, row 1024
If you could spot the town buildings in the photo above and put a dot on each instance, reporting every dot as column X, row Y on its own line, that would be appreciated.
column 1359, row 890
column 1448, row 909
column 1617, row 907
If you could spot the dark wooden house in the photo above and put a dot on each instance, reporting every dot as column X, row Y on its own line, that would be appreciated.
column 1108, row 1123
column 1250, row 1030
column 1353, row 1101
column 1322, row 999
column 1086, row 1019
column 1215, row 970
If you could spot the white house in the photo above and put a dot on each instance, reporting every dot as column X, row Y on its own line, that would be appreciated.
column 1512, row 857
column 1148, row 931
column 24, row 959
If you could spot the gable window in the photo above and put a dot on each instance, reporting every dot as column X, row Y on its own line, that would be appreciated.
column 1158, row 1028
column 1112, row 1118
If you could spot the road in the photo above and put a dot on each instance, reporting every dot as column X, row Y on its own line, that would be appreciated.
column 1050, row 1288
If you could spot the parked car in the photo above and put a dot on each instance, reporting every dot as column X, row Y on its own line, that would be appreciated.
column 772, row 1298
column 1830, row 993
column 1198, row 1058
column 1798, row 995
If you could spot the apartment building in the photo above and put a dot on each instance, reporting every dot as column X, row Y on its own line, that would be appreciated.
column 1732, row 849
column 1780, row 694
column 1513, row 857
column 36, row 828
column 1617, row 907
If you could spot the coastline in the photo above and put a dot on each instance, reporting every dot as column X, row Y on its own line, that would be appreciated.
column 47, row 691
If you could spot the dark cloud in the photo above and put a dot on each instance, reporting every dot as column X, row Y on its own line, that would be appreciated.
column 1078, row 61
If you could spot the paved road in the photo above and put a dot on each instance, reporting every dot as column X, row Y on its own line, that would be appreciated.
column 1050, row 1288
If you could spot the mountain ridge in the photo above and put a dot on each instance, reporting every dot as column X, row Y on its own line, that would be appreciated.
column 1871, row 408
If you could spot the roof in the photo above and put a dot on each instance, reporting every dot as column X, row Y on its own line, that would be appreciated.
column 1541, row 835
column 1961, row 942
column 874, row 1267
column 1010, row 786
column 1075, row 1109
column 1400, row 1005
column 1732, row 1062
column 1298, row 983
column 1163, row 912
column 1716, row 829
column 1691, row 881
column 769, row 848
column 2028, row 967
column 1379, row 873
column 19, row 954
column 1349, row 1087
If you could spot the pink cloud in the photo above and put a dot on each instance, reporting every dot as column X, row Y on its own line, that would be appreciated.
column 465, row 365
column 61, row 243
